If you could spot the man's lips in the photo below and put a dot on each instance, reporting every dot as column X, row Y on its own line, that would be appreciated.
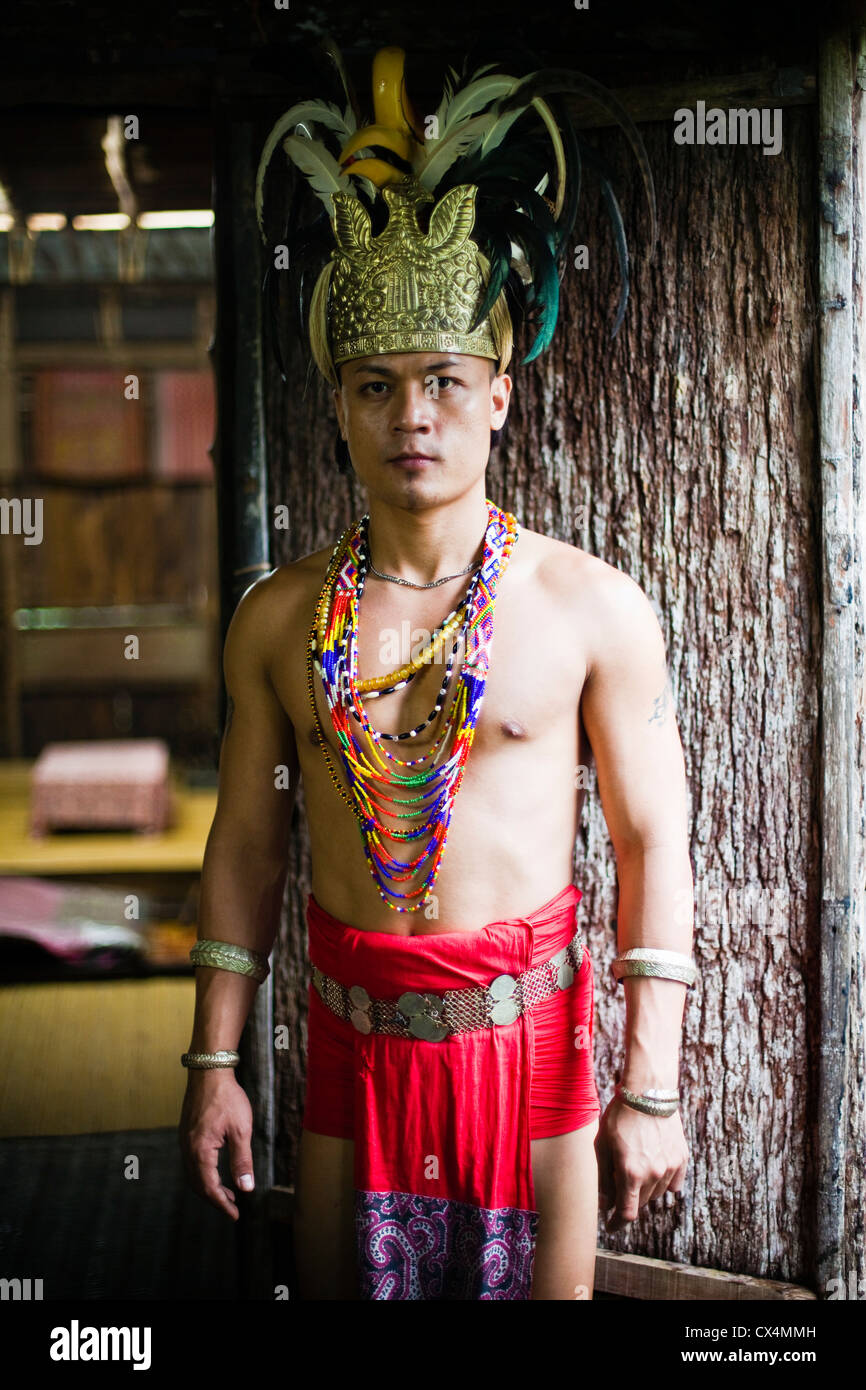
column 412, row 458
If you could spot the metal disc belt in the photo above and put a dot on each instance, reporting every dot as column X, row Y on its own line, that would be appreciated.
column 434, row 1016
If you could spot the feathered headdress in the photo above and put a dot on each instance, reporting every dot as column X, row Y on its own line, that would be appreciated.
column 387, row 276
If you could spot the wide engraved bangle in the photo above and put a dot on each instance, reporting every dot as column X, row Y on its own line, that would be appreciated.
column 204, row 1061
column 226, row 955
column 647, row 1106
column 657, row 964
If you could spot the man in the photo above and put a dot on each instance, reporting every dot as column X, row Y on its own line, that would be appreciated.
column 405, row 1101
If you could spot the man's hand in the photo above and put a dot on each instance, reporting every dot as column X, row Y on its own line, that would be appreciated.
column 216, row 1111
column 640, row 1157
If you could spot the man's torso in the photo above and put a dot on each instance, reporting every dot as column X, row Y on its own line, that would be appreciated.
column 514, row 820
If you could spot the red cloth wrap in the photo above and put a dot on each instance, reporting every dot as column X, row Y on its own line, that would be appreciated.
column 445, row 1203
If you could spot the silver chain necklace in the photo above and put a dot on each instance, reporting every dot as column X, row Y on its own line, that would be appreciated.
column 433, row 584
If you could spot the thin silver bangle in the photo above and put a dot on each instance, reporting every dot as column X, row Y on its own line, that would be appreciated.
column 205, row 1061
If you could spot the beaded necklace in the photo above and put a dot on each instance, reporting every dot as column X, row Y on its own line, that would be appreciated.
column 334, row 653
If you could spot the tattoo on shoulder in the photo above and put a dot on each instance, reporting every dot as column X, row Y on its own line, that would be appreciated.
column 661, row 704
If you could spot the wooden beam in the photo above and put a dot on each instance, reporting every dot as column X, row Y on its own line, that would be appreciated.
column 122, row 90
column 658, row 101
column 84, row 658
column 131, row 356
column 790, row 86
column 839, row 770
column 638, row 1276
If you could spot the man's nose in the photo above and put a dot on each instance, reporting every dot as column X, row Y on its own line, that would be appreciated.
column 413, row 405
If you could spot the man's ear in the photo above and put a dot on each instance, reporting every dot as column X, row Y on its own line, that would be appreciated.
column 500, row 396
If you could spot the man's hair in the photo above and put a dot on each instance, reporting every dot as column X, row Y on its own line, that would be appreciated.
column 341, row 448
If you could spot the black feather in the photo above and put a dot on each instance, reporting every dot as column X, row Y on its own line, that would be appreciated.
column 595, row 160
column 505, row 179
column 563, row 80
column 543, row 293
column 524, row 160
column 496, row 245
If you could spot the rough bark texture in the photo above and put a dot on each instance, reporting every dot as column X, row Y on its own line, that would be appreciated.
column 855, row 1213
column 685, row 454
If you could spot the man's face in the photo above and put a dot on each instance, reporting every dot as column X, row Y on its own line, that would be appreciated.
column 437, row 408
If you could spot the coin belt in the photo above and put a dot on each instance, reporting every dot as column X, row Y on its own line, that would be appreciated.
column 433, row 1017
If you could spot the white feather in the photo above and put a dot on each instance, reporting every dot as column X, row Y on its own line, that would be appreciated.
column 475, row 97
column 462, row 140
column 447, row 93
column 307, row 113
column 319, row 167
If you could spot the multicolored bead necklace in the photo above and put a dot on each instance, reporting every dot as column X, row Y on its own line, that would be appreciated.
column 333, row 651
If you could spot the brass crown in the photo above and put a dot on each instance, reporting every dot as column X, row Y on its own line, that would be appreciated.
column 407, row 290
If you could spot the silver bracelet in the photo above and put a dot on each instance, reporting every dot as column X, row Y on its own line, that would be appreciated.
column 650, row 1103
column 656, row 963
column 227, row 955
column 204, row 1061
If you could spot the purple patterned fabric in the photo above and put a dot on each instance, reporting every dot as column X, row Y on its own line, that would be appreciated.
column 414, row 1247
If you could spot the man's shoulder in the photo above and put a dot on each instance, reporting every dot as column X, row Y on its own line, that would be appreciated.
column 612, row 618
column 297, row 577
column 585, row 576
column 281, row 597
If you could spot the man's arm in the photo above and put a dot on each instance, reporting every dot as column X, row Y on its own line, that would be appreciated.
column 628, row 714
column 243, row 876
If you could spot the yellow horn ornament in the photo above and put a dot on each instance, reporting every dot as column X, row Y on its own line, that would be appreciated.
column 394, row 127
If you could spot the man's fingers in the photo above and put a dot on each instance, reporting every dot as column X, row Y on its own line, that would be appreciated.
column 213, row 1190
column 628, row 1194
column 679, row 1177
column 657, row 1189
column 223, row 1198
column 631, row 1196
column 625, row 1210
column 606, row 1185
column 241, row 1161
column 207, row 1181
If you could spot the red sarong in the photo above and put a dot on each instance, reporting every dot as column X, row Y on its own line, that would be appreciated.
column 444, row 1197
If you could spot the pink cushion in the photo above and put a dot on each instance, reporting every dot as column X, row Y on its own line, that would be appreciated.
column 115, row 782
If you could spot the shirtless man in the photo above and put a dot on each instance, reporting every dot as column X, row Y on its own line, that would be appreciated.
column 578, row 669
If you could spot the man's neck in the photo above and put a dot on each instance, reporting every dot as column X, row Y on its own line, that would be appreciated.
column 425, row 545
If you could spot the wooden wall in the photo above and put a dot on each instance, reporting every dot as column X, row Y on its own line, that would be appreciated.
column 142, row 542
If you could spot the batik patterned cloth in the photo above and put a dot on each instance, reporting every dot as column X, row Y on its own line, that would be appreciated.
column 444, row 1197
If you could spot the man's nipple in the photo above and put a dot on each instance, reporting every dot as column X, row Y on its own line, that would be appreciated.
column 513, row 728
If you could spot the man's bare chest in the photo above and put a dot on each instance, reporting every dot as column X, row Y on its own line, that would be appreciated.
column 537, row 668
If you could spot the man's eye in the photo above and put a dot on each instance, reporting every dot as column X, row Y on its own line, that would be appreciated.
column 366, row 388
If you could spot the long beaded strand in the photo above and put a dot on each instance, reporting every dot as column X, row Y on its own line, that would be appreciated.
column 444, row 782
column 336, row 659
